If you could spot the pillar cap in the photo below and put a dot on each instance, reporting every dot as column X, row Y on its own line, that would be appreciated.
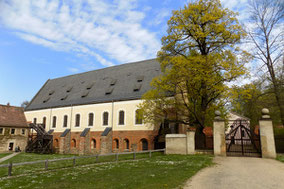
column 218, row 115
column 265, row 113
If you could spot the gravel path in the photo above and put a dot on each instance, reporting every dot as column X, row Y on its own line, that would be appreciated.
column 240, row 172
column 8, row 157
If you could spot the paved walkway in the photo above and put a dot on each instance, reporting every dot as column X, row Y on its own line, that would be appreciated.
column 240, row 172
column 9, row 156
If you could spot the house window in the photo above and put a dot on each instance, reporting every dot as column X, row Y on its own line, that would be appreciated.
column 23, row 131
column 243, row 133
column 105, row 118
column 94, row 143
column 1, row 131
column 126, row 144
column 77, row 124
column 116, row 143
column 91, row 119
column 138, row 117
column 73, row 143
column 54, row 122
column 121, row 118
column 65, row 120
column 34, row 121
column 44, row 122
column 13, row 131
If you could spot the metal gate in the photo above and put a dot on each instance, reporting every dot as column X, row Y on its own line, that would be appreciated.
column 241, row 141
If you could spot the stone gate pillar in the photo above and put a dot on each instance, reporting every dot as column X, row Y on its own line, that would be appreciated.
column 190, row 142
column 219, row 135
column 267, row 135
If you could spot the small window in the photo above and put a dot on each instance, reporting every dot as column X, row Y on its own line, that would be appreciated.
column 51, row 92
column 34, row 121
column 243, row 133
column 13, row 131
column 65, row 121
column 116, row 143
column 113, row 82
column 89, row 86
column 77, row 121
column 23, row 131
column 1, row 131
column 137, row 87
column 121, row 118
column 105, row 118
column 109, row 91
column 84, row 94
column 94, row 144
column 64, row 97
column 44, row 122
column 69, row 89
column 138, row 117
column 46, row 100
column 54, row 122
column 140, row 78
column 91, row 119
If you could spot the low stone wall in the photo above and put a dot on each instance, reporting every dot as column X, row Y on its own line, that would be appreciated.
column 180, row 143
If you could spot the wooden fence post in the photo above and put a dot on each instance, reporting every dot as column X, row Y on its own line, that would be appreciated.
column 97, row 158
column 134, row 155
column 46, row 164
column 10, row 169
column 150, row 154
column 74, row 161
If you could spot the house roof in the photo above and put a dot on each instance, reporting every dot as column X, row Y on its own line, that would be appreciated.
column 123, row 82
column 239, row 115
column 11, row 116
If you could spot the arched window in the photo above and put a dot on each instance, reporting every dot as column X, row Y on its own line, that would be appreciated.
column 56, row 143
column 121, row 118
column 94, row 143
column 126, row 144
column 116, row 144
column 138, row 117
column 65, row 121
column 77, row 120
column 144, row 144
column 44, row 122
column 73, row 143
column 105, row 118
column 34, row 120
column 91, row 119
column 54, row 122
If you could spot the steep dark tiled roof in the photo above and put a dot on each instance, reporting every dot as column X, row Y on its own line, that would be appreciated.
column 124, row 82
column 11, row 116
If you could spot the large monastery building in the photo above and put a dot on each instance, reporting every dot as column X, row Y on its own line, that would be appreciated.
column 97, row 111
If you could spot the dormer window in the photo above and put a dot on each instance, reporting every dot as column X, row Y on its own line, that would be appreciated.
column 64, row 98
column 109, row 91
column 140, row 78
column 69, row 89
column 137, row 87
column 89, row 86
column 51, row 92
column 85, row 94
column 112, row 82
column 46, row 99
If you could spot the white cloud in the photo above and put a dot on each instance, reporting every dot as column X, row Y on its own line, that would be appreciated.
column 107, row 32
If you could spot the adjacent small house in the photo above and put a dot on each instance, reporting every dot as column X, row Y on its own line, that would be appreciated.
column 13, row 128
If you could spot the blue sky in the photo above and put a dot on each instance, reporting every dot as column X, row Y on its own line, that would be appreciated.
column 42, row 39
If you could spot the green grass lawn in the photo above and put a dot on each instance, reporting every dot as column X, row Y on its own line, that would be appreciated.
column 161, row 171
column 4, row 154
column 280, row 157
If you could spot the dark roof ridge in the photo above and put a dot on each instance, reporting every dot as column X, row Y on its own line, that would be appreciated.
column 11, row 106
column 119, row 65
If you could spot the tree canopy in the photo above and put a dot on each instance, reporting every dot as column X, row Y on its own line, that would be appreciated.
column 198, row 58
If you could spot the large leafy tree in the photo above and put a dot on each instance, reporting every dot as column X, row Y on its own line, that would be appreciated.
column 198, row 58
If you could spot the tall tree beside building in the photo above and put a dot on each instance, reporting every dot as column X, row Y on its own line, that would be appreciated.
column 267, row 35
column 198, row 57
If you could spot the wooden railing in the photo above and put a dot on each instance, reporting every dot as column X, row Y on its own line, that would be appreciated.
column 46, row 162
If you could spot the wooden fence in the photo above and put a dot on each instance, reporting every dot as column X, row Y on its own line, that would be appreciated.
column 46, row 162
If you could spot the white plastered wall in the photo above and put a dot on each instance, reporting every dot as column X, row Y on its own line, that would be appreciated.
column 129, row 107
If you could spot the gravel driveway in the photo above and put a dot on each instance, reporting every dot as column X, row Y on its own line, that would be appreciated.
column 241, row 173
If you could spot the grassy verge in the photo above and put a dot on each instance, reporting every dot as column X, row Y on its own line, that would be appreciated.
column 161, row 171
column 33, row 168
column 4, row 154
column 280, row 157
